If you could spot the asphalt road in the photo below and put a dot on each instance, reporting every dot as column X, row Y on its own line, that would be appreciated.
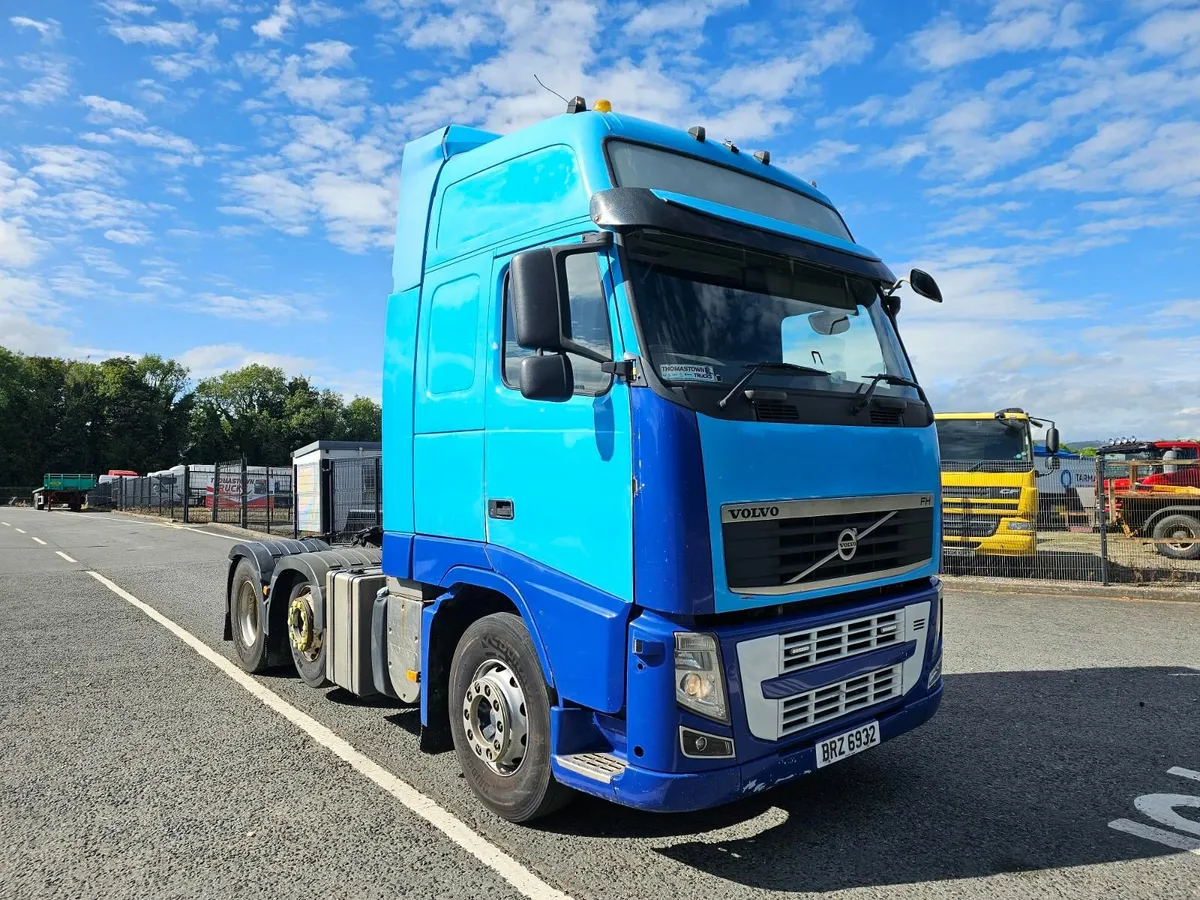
column 131, row 766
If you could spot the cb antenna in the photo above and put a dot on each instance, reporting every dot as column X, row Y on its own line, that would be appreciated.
column 551, row 90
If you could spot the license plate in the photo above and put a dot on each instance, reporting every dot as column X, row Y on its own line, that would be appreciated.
column 837, row 748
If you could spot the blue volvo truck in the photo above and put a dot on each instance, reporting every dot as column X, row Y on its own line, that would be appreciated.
column 661, row 492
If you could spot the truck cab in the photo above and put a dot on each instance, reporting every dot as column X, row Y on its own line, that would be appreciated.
column 661, row 510
column 989, row 482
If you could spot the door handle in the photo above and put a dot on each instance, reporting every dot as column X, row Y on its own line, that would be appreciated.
column 500, row 509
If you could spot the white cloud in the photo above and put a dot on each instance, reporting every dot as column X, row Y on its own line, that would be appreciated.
column 101, row 109
column 185, row 63
column 821, row 155
column 52, row 80
column 166, row 34
column 328, row 54
column 18, row 247
column 272, row 27
column 127, row 8
column 156, row 138
column 50, row 29
column 63, row 162
column 840, row 45
column 126, row 236
column 455, row 32
column 1013, row 27
column 677, row 15
column 257, row 307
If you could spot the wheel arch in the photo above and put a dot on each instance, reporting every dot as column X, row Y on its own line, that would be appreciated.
column 471, row 594
column 263, row 556
column 1182, row 509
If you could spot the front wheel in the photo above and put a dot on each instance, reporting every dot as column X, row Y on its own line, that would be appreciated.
column 1178, row 536
column 500, row 720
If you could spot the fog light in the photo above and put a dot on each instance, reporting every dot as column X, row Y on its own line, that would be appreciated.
column 1015, row 525
column 935, row 675
column 698, row 745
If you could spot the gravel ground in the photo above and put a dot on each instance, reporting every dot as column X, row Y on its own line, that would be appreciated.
column 132, row 767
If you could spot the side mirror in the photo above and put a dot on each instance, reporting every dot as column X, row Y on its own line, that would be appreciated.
column 1052, row 441
column 541, row 300
column 537, row 308
column 547, row 377
column 923, row 284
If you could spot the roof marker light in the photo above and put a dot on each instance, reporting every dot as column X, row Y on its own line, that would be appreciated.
column 732, row 147
column 697, row 131
column 763, row 156
column 576, row 105
column 602, row 106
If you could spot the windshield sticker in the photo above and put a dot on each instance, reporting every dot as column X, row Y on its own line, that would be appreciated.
column 689, row 373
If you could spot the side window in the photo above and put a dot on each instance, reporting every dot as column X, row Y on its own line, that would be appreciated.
column 589, row 326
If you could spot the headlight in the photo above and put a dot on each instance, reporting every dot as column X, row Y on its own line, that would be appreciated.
column 699, row 679
column 1017, row 525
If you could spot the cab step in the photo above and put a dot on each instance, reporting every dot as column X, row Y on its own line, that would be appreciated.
column 602, row 767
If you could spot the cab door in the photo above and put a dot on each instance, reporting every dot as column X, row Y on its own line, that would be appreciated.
column 558, row 474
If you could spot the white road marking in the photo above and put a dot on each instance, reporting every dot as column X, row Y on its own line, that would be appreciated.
column 188, row 528
column 5, row 524
column 1159, row 835
column 1184, row 773
column 20, row 530
column 64, row 556
column 521, row 878
column 39, row 540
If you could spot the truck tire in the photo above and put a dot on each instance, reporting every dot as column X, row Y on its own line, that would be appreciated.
column 304, row 640
column 1178, row 526
column 500, row 720
column 245, row 615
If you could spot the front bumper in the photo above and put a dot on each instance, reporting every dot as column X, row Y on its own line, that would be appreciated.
column 648, row 790
column 1002, row 543
column 777, row 716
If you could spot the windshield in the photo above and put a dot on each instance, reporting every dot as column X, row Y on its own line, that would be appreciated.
column 985, row 440
column 710, row 311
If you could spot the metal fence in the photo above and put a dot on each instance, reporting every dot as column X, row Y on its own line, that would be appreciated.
column 258, row 498
column 1103, row 520
column 16, row 495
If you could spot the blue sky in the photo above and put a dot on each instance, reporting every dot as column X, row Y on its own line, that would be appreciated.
column 215, row 180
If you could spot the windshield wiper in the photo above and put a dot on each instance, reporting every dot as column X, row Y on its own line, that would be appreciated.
column 865, row 401
column 768, row 364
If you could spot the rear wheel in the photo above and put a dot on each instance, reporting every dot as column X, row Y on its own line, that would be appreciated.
column 245, row 613
column 307, row 643
column 500, row 720
column 1178, row 536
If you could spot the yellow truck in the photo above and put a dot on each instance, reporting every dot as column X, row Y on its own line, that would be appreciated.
column 989, row 483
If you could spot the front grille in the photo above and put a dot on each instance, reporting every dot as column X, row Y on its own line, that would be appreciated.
column 982, row 493
column 969, row 524
column 802, row 649
column 775, row 411
column 835, row 700
column 778, row 548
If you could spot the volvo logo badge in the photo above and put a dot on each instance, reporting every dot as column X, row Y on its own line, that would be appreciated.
column 847, row 544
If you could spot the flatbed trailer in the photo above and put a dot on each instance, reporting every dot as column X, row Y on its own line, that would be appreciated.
column 65, row 490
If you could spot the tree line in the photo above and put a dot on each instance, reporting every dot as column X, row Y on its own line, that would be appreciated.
column 146, row 414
